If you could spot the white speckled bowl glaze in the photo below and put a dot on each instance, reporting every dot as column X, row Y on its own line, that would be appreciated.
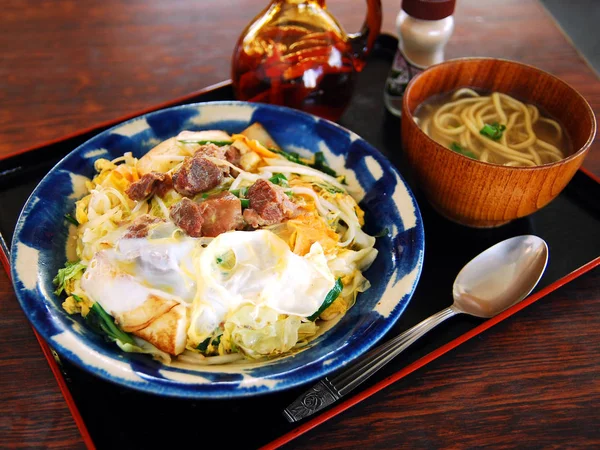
column 38, row 251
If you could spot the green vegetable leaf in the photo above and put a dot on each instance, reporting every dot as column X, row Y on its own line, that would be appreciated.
column 493, row 131
column 329, row 299
column 226, row 261
column 330, row 188
column 245, row 202
column 202, row 346
column 279, row 179
column 211, row 192
column 463, row 151
column 102, row 322
column 241, row 193
column 71, row 270
column 290, row 156
column 321, row 165
column 217, row 143
column 211, row 341
column 72, row 219
column 318, row 162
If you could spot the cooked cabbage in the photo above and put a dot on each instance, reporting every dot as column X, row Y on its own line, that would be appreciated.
column 262, row 331
column 263, row 295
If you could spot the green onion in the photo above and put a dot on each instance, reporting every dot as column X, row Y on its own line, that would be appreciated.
column 463, row 151
column 493, row 131
column 245, row 202
column 330, row 188
column 226, row 261
column 279, row 179
column 321, row 165
column 209, row 341
column 101, row 321
column 72, row 219
column 77, row 298
column 212, row 192
column 202, row 346
column 318, row 163
column 241, row 193
column 329, row 299
column 290, row 156
column 217, row 143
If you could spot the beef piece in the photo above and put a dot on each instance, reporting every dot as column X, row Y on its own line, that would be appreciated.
column 148, row 185
column 187, row 216
column 252, row 218
column 140, row 227
column 164, row 186
column 217, row 214
column 142, row 188
column 211, row 150
column 221, row 212
column 214, row 151
column 268, row 205
column 233, row 155
column 197, row 174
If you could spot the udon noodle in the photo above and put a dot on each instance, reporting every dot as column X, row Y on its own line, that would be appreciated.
column 493, row 128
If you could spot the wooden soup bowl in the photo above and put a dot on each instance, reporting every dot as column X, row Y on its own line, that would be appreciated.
column 478, row 194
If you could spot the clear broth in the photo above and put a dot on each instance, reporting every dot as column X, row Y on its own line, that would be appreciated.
column 543, row 130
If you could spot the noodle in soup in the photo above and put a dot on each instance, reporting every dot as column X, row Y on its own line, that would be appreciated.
column 494, row 128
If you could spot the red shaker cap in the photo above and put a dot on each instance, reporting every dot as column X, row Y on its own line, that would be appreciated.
column 428, row 9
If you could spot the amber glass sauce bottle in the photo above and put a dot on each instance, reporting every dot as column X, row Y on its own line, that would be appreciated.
column 296, row 54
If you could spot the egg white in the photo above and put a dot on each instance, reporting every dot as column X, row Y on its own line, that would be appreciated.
column 261, row 270
column 265, row 272
column 121, row 279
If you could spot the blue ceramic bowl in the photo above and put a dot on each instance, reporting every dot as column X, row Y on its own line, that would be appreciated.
column 38, row 251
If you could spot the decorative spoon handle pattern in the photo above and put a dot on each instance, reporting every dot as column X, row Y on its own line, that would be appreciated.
column 316, row 398
column 327, row 391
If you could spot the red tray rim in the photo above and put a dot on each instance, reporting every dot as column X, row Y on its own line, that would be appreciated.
column 340, row 407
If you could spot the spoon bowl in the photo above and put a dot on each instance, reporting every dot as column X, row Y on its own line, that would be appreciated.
column 500, row 277
column 490, row 283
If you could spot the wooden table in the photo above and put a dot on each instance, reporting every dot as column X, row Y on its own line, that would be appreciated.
column 531, row 381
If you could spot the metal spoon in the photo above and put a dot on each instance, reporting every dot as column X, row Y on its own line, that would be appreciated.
column 493, row 281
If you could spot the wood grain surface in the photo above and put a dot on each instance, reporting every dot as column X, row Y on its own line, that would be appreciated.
column 66, row 65
column 33, row 413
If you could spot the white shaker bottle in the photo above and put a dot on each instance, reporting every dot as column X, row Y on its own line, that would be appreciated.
column 424, row 27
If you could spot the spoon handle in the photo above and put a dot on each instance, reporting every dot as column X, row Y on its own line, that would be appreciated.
column 328, row 391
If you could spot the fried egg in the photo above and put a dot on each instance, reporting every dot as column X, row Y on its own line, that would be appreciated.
column 142, row 279
column 256, row 268
column 145, row 284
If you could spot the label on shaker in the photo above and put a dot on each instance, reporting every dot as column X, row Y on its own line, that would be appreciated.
column 400, row 74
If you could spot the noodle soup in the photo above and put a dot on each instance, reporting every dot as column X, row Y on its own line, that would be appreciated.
column 494, row 128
